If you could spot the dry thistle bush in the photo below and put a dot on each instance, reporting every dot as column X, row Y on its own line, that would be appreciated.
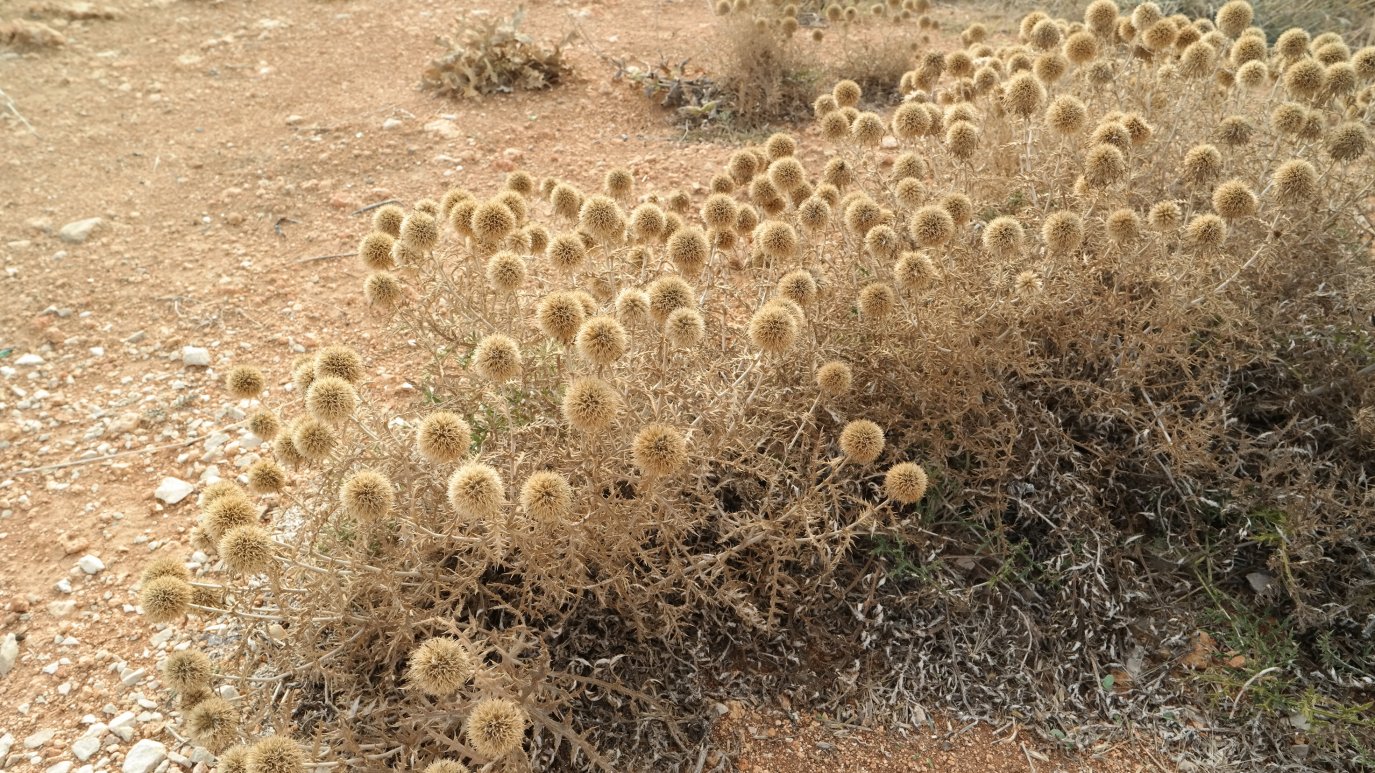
column 492, row 55
column 967, row 422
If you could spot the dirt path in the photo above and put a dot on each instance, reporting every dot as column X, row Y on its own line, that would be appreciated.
column 224, row 147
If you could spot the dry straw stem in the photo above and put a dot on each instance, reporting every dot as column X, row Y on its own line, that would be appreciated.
column 979, row 424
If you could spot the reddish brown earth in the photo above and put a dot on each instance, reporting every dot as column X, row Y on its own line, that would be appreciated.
column 225, row 147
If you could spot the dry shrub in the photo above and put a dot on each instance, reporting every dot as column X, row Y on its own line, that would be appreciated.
column 982, row 422
column 492, row 55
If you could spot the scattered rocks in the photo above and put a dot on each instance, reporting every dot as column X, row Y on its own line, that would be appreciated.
column 173, row 490
column 39, row 738
column 85, row 747
column 195, row 356
column 61, row 608
column 29, row 359
column 9, row 655
column 78, row 231
column 91, row 564
column 446, row 129
column 144, row 756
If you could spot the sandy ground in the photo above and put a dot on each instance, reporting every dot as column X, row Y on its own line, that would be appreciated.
column 224, row 148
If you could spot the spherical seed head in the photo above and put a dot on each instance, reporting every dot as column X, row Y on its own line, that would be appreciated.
column 492, row 221
column 1063, row 232
column 1081, row 47
column 659, row 449
column 959, row 64
column 506, row 272
column 1364, row 62
column 1165, row 216
column 1023, row 94
column 313, row 439
column 1101, row 17
column 165, row 567
column 962, row 140
column 265, row 425
column 218, row 489
column 495, row 727
column 601, row 217
column 719, row 211
column 1124, row 226
column 284, row 449
column 227, row 513
column 1292, row 43
column 1295, row 181
column 601, row 340
column 780, row 145
column 1305, row 78
column 428, row 206
column 383, row 290
column 567, row 253
column 910, row 121
column 685, row 328
column 619, row 183
column 1234, row 17
column 233, row 760
column 1207, row 231
column 813, row 214
column 546, row 496
column 245, row 382
column 835, row 125
column 777, row 239
column 1234, row 199
column 388, row 220
column 742, row 166
column 877, row 300
column 914, row 271
column 451, row 766
column 1112, row 133
column 1235, row 130
column 276, row 754
column 1066, row 114
column 862, row 441
column 1252, row 75
column 932, row 226
column 787, row 173
column 443, row 438
column 420, row 232
column 247, row 549
column 498, row 358
column 566, row 201
column 867, row 130
column 590, row 404
column 632, row 306
column 375, row 250
column 666, row 294
column 1004, row 237
column 165, row 599
column 905, row 482
column 1342, row 79
column 461, row 216
column 1247, row 49
column 560, row 315
column 1347, row 142
column 1202, row 164
column 1050, row 67
column 688, row 249
column 331, row 399
column 441, row 666
column 960, row 207
column 187, row 669
column 834, row 378
column 476, row 491
column 340, row 362
column 798, row 286
column 1029, row 22
column 1160, row 35
column 266, row 477
column 647, row 222
column 1197, row 60
column 367, row 496
column 1146, row 14
column 773, row 329
column 1332, row 52
column 1104, row 165
column 846, row 93
column 214, row 724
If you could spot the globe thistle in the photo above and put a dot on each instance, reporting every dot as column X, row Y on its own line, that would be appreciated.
column 659, row 450
column 452, row 766
column 1081, row 47
column 247, row 549
column 1028, row 24
column 1253, row 75
column 276, row 754
column 834, row 378
column 780, row 145
column 1331, row 52
column 688, row 250
column 960, row 207
column 1104, row 165
column 910, row 121
column 932, row 226
column 567, row 253
column 905, row 483
column 618, row 183
column 1159, row 36
column 331, row 399
column 1023, row 94
column 590, row 404
column 1305, row 78
column 647, row 222
column 1124, row 226
column 566, row 201
column 187, row 670
column 1342, row 79
column 1207, row 231
column 1066, row 114
column 798, row 286
column 835, row 126
column 1234, row 17
column 367, row 496
column 877, row 300
column 861, row 215
column 1050, row 67
column 1364, row 62
column 1288, row 118
column 846, row 93
column 220, row 489
column 1165, row 216
column 520, row 182
column 460, row 219
column 383, row 290
column 492, row 221
column 538, row 237
column 1197, row 60
column 1247, row 49
column 443, row 437
column 228, row 513
column 962, row 140
column 441, row 666
column 506, row 272
column 1295, row 181
column 1234, row 199
column 685, row 328
column 1146, row 14
column 1235, row 130
column 777, row 240
column 495, row 727
column 284, row 449
column 546, row 496
column 165, row 567
column 560, row 315
column 233, row 760
column 1201, row 165
column 1063, row 232
column 601, row 340
column 867, row 130
column 1292, row 43
column 265, row 425
column 1347, row 142
column 497, row 357
column 419, row 231
column 476, row 491
column 666, row 294
column 214, row 724
column 266, row 477
column 375, row 250
column 388, row 220
column 1004, row 237
column 862, row 441
column 773, row 329
column 165, row 599
column 428, row 206
column 1112, row 133
column 1101, row 17
column 909, row 192
column 601, row 217
column 244, row 381
column 632, row 306
column 339, row 362
column 787, row 173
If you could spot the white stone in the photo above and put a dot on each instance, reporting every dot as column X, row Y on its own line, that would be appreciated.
column 61, row 767
column 86, row 747
column 197, row 356
column 63, row 585
column 173, row 490
column 61, row 608
column 39, row 738
column 144, row 756
column 29, row 359
column 133, row 676
column 123, row 720
column 91, row 564
column 9, row 655
column 125, row 733
column 78, row 231
column 6, row 743
column 391, row 123
column 445, row 129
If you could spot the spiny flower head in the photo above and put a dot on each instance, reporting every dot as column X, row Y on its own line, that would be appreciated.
column 659, row 449
column 1234, row 199
column 214, row 724
column 905, row 482
column 266, row 477
column 476, row 491
column 1004, row 236
column 420, row 232
column 560, row 315
column 383, row 290
column 276, row 754
column 590, row 404
column 1295, row 181
column 443, row 437
column 495, row 727
column 601, row 340
column 339, row 362
column 1165, row 216
column 877, row 300
column 187, row 669
column 666, row 294
column 245, row 381
column 546, row 496
column 226, row 513
column 799, row 286
column 688, row 249
column 165, row 567
column 601, row 217
column 331, row 399
column 440, row 666
column 685, row 328
column 247, row 549
column 1207, row 231
column 1023, row 94
column 265, row 425
column 773, row 329
column 647, row 222
column 862, row 441
column 567, row 253
column 1124, row 226
column 497, row 357
column 492, row 221
column 932, row 226
column 375, row 250
column 632, row 306
column 165, row 599
column 1063, row 232
column 388, row 219
column 367, row 496
column 506, row 272
column 1347, row 142
column 834, row 378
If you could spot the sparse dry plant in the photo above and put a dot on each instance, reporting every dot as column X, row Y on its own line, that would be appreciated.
column 489, row 55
